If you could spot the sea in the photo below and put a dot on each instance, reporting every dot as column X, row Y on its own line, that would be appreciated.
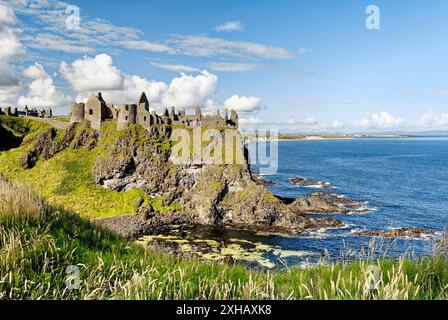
column 400, row 182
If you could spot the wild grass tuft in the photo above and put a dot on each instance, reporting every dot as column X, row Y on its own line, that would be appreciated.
column 38, row 242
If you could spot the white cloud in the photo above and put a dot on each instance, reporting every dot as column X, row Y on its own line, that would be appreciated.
column 305, row 50
column 93, row 34
column 9, row 94
column 441, row 93
column 10, row 45
column 308, row 121
column 147, row 46
column 184, row 91
column 229, row 26
column 243, row 104
column 231, row 67
column 207, row 46
column 250, row 121
column 48, row 41
column 174, row 67
column 430, row 119
column 42, row 91
column 383, row 120
column 188, row 91
column 8, row 76
column 92, row 74
column 7, row 16
column 336, row 124
column 87, row 75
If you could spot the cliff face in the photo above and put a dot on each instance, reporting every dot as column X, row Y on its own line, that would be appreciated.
column 209, row 194
column 128, row 172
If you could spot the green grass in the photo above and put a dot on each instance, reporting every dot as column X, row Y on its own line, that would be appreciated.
column 24, row 128
column 41, row 234
column 66, row 179
column 38, row 242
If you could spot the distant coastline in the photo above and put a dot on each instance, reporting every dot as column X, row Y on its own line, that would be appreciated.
column 293, row 137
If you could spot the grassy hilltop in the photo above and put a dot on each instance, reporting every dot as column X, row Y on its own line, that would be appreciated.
column 66, row 179
column 41, row 234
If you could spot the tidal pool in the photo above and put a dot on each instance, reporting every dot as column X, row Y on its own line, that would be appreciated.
column 231, row 246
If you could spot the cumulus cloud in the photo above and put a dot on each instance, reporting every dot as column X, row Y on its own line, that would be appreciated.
column 10, row 45
column 229, row 26
column 7, row 16
column 91, row 74
column 9, row 94
column 174, row 67
column 243, row 104
column 430, row 119
column 383, row 120
column 41, row 91
column 87, row 75
column 8, row 76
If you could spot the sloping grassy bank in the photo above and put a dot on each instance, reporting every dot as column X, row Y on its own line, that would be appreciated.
column 38, row 242
column 66, row 179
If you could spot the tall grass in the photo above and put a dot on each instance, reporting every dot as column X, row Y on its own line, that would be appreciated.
column 38, row 242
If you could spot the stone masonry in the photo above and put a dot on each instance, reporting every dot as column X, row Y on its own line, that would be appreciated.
column 96, row 110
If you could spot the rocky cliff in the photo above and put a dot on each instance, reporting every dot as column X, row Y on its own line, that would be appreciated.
column 208, row 194
column 135, row 159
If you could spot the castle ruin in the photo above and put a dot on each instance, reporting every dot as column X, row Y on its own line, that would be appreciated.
column 96, row 110
column 26, row 112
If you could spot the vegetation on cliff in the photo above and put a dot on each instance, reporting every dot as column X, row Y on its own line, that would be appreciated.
column 38, row 242
column 64, row 174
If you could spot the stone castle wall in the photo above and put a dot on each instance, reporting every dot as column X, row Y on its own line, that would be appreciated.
column 34, row 112
column 96, row 111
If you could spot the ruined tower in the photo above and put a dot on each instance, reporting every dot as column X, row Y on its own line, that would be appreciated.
column 143, row 116
column 95, row 110
column 127, row 114
column 77, row 112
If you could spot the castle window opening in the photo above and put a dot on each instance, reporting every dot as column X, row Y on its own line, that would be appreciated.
column 126, row 118
column 144, row 119
column 90, row 111
column 127, row 109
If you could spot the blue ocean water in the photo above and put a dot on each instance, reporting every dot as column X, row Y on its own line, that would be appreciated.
column 404, row 182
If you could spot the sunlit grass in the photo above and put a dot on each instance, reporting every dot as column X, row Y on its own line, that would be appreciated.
column 38, row 242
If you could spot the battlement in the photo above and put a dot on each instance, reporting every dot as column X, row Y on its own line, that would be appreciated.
column 96, row 110
column 34, row 112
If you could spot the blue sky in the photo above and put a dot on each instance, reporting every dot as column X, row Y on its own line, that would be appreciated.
column 297, row 65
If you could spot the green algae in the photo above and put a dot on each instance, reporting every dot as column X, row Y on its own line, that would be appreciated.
column 233, row 249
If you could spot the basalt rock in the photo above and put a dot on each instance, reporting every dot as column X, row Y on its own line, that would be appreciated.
column 299, row 180
column 208, row 194
column 404, row 232
column 316, row 205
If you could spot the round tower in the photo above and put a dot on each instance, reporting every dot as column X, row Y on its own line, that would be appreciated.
column 77, row 112
column 126, row 115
